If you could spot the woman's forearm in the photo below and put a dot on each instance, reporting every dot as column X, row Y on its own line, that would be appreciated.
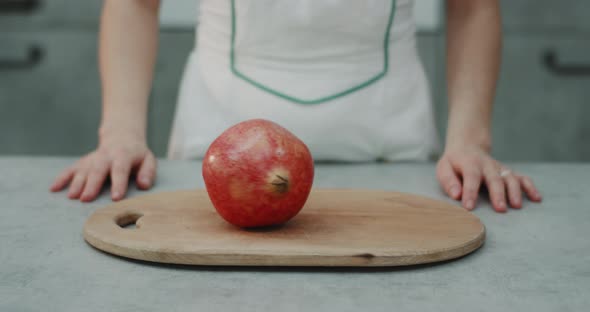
column 474, row 40
column 127, row 54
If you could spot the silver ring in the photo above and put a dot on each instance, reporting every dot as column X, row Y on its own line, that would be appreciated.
column 505, row 172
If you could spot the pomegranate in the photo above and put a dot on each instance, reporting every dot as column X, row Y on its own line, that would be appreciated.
column 257, row 173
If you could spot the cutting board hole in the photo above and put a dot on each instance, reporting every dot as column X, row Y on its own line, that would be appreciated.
column 128, row 221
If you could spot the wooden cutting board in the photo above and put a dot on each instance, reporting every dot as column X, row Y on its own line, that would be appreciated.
column 335, row 228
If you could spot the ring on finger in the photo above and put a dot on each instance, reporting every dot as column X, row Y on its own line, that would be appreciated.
column 505, row 172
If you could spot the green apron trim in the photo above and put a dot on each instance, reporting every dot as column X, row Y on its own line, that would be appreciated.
column 318, row 100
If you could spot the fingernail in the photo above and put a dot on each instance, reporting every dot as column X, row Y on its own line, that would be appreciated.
column 517, row 204
column 116, row 195
column 502, row 205
column 455, row 191
column 469, row 204
column 145, row 181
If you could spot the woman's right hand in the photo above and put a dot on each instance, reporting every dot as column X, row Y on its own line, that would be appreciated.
column 117, row 157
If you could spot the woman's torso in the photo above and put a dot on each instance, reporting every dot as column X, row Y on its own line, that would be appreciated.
column 343, row 75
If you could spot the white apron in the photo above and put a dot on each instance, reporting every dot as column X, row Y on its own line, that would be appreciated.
column 342, row 75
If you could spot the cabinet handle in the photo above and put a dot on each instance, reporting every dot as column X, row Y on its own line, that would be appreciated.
column 18, row 6
column 551, row 61
column 33, row 57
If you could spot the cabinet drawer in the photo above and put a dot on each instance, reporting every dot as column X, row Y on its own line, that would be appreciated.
column 30, row 14
column 535, row 15
column 49, row 93
column 542, row 109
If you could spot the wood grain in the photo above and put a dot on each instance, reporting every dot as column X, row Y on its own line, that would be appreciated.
column 335, row 228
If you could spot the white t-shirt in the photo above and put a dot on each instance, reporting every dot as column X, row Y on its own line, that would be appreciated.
column 342, row 75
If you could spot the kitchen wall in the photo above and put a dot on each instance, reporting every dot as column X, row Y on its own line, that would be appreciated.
column 50, row 92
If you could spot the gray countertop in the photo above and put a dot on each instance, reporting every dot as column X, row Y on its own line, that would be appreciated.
column 534, row 259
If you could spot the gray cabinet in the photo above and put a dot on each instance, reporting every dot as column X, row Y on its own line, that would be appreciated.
column 49, row 82
column 427, row 50
column 542, row 112
column 35, row 14
column 49, row 102
column 527, row 16
column 174, row 49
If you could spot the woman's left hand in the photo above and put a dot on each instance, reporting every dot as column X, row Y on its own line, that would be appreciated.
column 462, row 170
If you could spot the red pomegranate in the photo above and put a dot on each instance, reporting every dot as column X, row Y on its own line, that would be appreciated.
column 257, row 173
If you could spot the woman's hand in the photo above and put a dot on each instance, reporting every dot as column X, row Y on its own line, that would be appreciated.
column 116, row 157
column 127, row 54
column 462, row 170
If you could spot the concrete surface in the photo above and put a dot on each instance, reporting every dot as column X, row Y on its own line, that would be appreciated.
column 535, row 259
